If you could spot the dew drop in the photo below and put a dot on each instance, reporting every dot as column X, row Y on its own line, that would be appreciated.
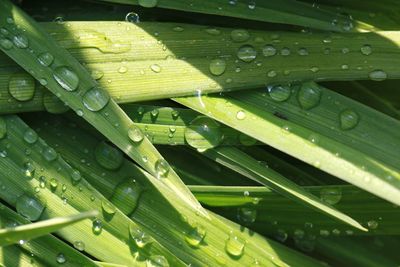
column 21, row 87
column 140, row 238
column 29, row 207
column 46, row 59
column 203, row 133
column 97, row 226
column 331, row 196
column 148, row 3
column 53, row 183
column 30, row 136
column 135, row 134
column 132, row 17
column 76, row 176
column 302, row 51
column 21, row 41
column 66, row 78
column 108, row 208
column 372, row 224
column 108, row 157
column 213, row 31
column 195, row 236
column 6, row 44
column 246, row 215
column 269, row 50
column 29, row 170
column 377, row 75
column 126, row 196
column 240, row 115
column 240, row 35
column 366, row 50
column 217, row 66
column 247, row 53
column 162, row 168
column 61, row 258
column 348, row 119
column 234, row 246
column 79, row 245
column 157, row 261
column 95, row 99
column 309, row 95
column 279, row 92
column 49, row 154
column 246, row 140
column 285, row 51
column 122, row 69
column 155, row 68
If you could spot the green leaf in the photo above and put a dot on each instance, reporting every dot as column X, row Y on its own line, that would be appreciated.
column 64, row 76
column 12, row 235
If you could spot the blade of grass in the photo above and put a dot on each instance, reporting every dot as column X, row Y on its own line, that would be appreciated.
column 63, row 75
column 12, row 235
column 331, row 132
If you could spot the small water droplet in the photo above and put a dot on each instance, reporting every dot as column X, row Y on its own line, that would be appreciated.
column 234, row 246
column 372, row 224
column 30, row 136
column 148, row 3
column 348, row 119
column 302, row 51
column 217, row 66
column 95, row 99
column 155, row 68
column 53, row 183
column 108, row 157
column 61, row 258
column 331, row 196
column 97, row 226
column 378, row 75
column 21, row 87
column 66, row 78
column 203, row 133
column 21, row 41
column 366, row 50
column 132, row 17
column 49, row 154
column 269, row 50
column 135, row 134
column 6, row 44
column 157, row 261
column 29, row 170
column 285, row 51
column 195, row 236
column 108, row 208
column 309, row 95
column 246, row 215
column 162, row 168
column 126, row 196
column 46, row 59
column 29, row 207
column 79, row 245
column 240, row 115
column 279, row 92
column 247, row 53
column 240, row 35
column 140, row 238
column 281, row 235
column 75, row 176
column 122, row 69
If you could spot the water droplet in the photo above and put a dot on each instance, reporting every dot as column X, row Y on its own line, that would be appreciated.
column 21, row 87
column 29, row 207
column 331, row 196
column 132, row 17
column 6, row 44
column 285, row 51
column 246, row 215
column 246, row 140
column 348, row 119
column 155, row 68
column 302, row 51
column 217, row 66
column 148, row 3
column 195, row 236
column 76, row 176
column 162, row 168
column 126, row 196
column 240, row 35
column 157, row 261
column 97, row 226
column 108, row 157
column 29, row 170
column 97, row 74
column 213, row 31
column 251, row 5
column 95, row 99
column 203, row 133
column 247, row 53
column 21, row 41
column 66, row 78
column 108, row 208
column 366, row 50
column 240, row 115
column 79, row 245
column 53, row 183
column 271, row 73
column 234, row 246
column 269, row 50
column 372, row 224
column 122, row 69
column 178, row 29
column 279, row 92
column 378, row 75
column 49, row 154
column 46, row 59
column 309, row 95
column 30, row 136
column 135, row 134
column 61, row 258
column 281, row 235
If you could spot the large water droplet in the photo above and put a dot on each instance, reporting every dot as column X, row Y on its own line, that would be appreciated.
column 309, row 95
column 108, row 208
column 247, row 215
column 29, row 207
column 95, row 99
column 135, row 134
column 140, row 238
column 234, row 246
column 217, row 66
column 108, row 157
column 196, row 236
column 279, row 92
column 157, row 261
column 162, row 168
column 126, row 196
column 66, row 78
column 348, row 119
column 203, row 133
column 22, row 87
column 331, row 196
column 46, row 59
column 148, row 3
column 247, row 53
column 21, row 41
column 240, row 35
column 378, row 75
